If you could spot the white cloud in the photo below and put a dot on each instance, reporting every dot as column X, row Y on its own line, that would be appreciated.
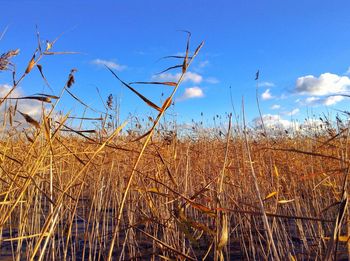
column 110, row 64
column 312, row 100
column 192, row 92
column 332, row 100
column 266, row 84
column 325, row 84
column 275, row 107
column 293, row 112
column 266, row 95
column 189, row 77
column 31, row 107
column 272, row 121
column 328, row 101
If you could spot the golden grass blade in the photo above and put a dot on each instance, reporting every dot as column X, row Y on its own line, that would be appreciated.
column 224, row 233
column 272, row 194
column 285, row 201
column 23, row 237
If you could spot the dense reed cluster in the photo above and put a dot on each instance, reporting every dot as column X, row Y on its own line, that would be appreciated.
column 163, row 193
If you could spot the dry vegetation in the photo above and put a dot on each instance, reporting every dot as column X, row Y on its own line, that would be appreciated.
column 169, row 194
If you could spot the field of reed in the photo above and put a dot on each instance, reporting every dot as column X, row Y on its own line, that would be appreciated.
column 159, row 191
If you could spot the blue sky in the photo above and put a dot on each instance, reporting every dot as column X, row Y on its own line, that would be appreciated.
column 300, row 47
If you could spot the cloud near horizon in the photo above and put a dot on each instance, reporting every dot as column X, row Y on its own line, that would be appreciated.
column 274, row 122
column 110, row 64
column 30, row 107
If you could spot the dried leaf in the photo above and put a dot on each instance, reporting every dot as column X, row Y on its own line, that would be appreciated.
column 166, row 104
column 47, row 95
column 171, row 68
column 40, row 68
column 198, row 48
column 30, row 64
column 270, row 195
column 30, row 120
column 176, row 56
column 151, row 104
column 159, row 83
column 284, row 201
column 185, row 64
column 29, row 138
column 10, row 115
column 276, row 171
column 202, row 208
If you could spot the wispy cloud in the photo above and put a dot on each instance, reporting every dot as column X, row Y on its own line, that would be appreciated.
column 110, row 64
column 192, row 92
column 325, row 84
column 293, row 112
column 275, row 107
column 203, row 64
column 266, row 84
column 189, row 77
column 212, row 80
column 266, row 95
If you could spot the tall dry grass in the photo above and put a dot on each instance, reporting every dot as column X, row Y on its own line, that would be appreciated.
column 162, row 192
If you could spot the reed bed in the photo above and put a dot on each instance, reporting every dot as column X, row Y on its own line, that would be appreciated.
column 162, row 192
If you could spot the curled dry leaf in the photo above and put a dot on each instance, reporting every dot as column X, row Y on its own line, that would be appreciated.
column 30, row 65
column 30, row 120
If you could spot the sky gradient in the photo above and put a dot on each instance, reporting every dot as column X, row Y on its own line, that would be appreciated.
column 301, row 49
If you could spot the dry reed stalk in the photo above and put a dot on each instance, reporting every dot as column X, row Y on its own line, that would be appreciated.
column 166, row 104
column 257, row 189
